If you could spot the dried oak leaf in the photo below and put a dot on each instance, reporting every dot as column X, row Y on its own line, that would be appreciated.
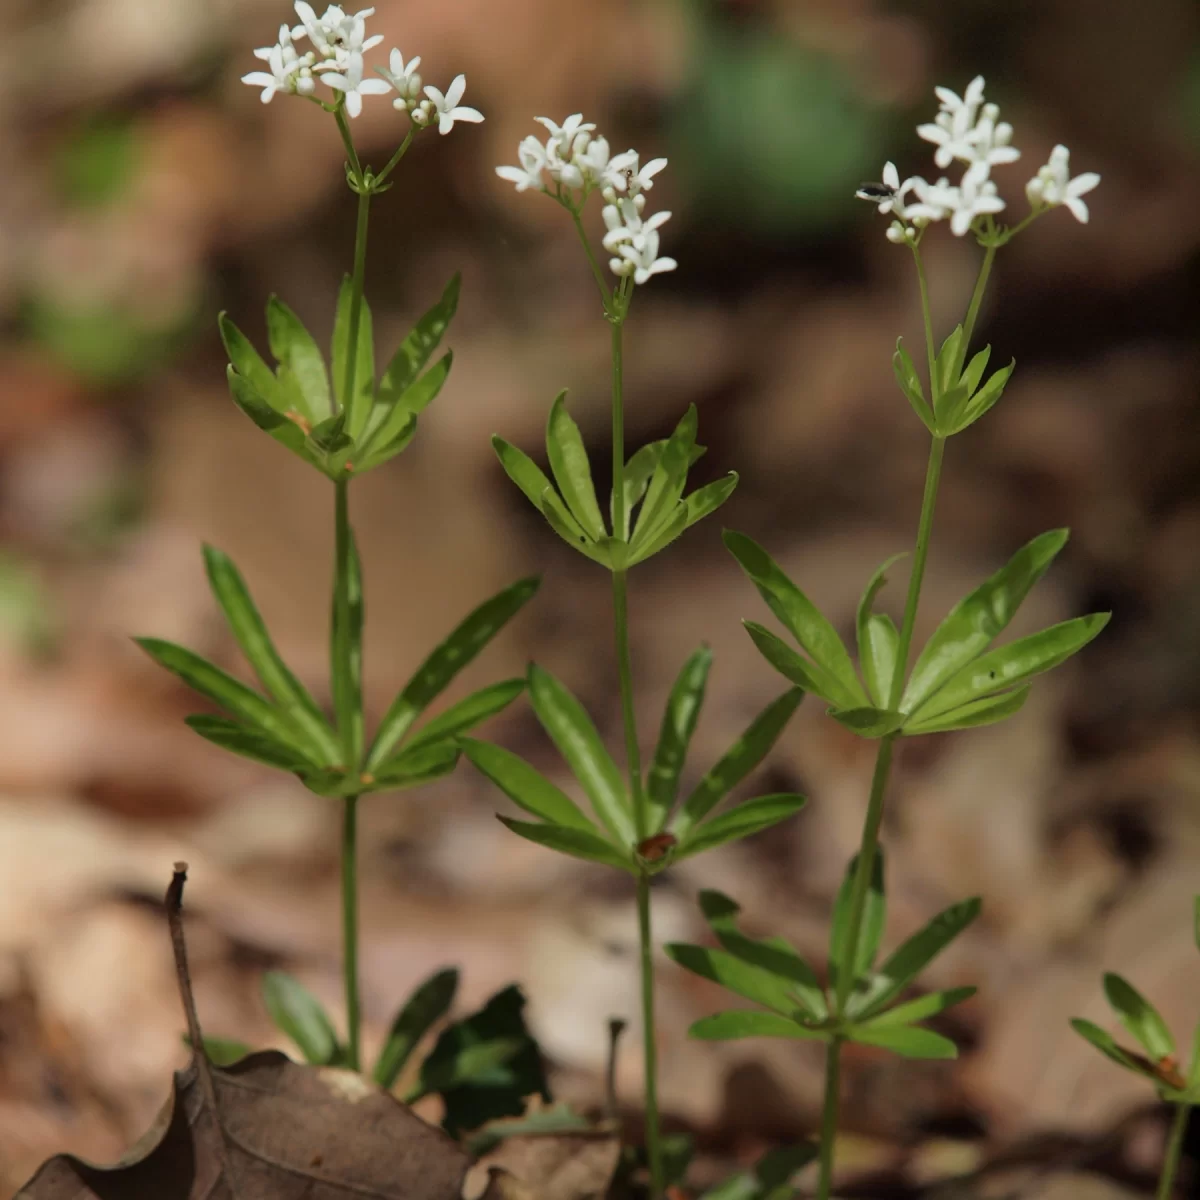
column 563, row 1166
column 290, row 1131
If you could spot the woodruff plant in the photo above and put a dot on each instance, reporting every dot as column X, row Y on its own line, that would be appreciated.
column 344, row 422
column 957, row 681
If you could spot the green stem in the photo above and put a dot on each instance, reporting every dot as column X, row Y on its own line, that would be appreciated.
column 653, row 1142
column 1166, row 1181
column 829, row 1116
column 591, row 257
column 633, row 756
column 350, row 928
column 393, row 162
column 981, row 283
column 356, row 299
column 928, row 322
column 347, row 141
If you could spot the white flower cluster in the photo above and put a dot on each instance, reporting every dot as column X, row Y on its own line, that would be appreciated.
column 337, row 42
column 969, row 131
column 575, row 159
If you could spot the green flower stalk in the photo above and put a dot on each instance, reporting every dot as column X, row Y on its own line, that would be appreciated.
column 343, row 421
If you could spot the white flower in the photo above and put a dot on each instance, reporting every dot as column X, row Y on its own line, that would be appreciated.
column 975, row 197
column 351, row 83
column 282, row 76
column 888, row 196
column 336, row 35
column 642, row 251
column 935, row 201
column 625, row 174
column 1053, row 185
column 632, row 241
column 590, row 159
column 952, row 127
column 404, row 78
column 990, row 141
column 564, row 134
column 528, row 175
column 622, row 221
column 447, row 107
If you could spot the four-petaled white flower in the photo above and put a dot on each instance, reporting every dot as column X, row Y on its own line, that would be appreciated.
column 888, row 196
column 1053, row 185
column 447, row 106
column 353, row 85
column 625, row 174
column 953, row 124
column 403, row 78
column 282, row 76
column 528, row 175
column 975, row 197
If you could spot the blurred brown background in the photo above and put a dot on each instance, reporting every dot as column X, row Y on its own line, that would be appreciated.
column 144, row 188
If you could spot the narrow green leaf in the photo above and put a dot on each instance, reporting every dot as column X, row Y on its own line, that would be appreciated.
column 910, row 385
column 287, row 432
column 434, row 675
column 209, row 680
column 747, row 818
column 428, row 1004
column 302, row 369
column 358, row 406
column 571, row 469
column 468, row 713
column 873, row 919
column 559, row 518
column 662, row 535
column 346, row 651
column 975, row 369
column 572, row 731
column 773, row 954
column 418, row 347
column 987, row 711
column 746, row 1023
column 910, row 1041
column 1107, row 1045
column 1020, row 660
column 249, row 363
column 298, row 1013
column 669, row 477
column 381, row 450
column 947, row 362
column 522, row 470
column 736, row 763
column 920, row 1009
column 413, row 766
column 526, row 787
column 877, row 638
column 638, row 469
column 389, row 424
column 222, row 1052
column 674, row 737
column 1139, row 1016
column 868, row 722
column 815, row 634
column 473, row 1063
column 248, row 627
column 986, row 397
column 910, row 958
column 249, row 743
column 330, row 436
column 735, row 975
column 792, row 666
column 578, row 843
column 709, row 498
column 977, row 620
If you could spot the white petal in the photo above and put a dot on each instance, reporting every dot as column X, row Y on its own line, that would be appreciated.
column 436, row 96
column 1082, row 184
column 445, row 123
column 891, row 177
column 1077, row 209
column 353, row 103
column 455, row 91
column 933, row 133
column 259, row 79
column 373, row 87
column 466, row 114
column 338, row 82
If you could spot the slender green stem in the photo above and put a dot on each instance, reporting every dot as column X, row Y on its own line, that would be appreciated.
column 633, row 756
column 981, row 283
column 829, row 1116
column 591, row 257
column 653, row 1137
column 1166, row 1181
column 401, row 151
column 347, row 141
column 356, row 299
column 350, row 928
column 927, row 319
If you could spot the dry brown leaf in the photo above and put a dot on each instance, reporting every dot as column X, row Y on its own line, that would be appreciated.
column 559, row 1166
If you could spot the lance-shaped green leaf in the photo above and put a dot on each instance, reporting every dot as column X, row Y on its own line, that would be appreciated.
column 572, row 731
column 578, row 843
column 283, row 429
column 811, row 629
column 413, row 766
column 878, row 639
column 749, row 817
column 525, row 786
column 974, row 370
column 523, row 471
column 298, row 1013
column 772, row 954
column 381, row 451
column 388, row 424
column 985, row 398
column 736, row 763
column 747, row 1023
column 434, row 675
column 1139, row 1016
column 874, row 916
column 947, row 364
column 977, row 620
column 303, row 385
column 478, row 1063
column 920, row 1009
column 668, row 480
column 209, row 680
column 663, row 534
column 911, row 957
column 709, row 498
column 791, row 665
column 247, row 361
column 1107, row 1045
column 358, row 405
column 636, row 479
column 346, row 649
column 468, row 713
column 572, row 471
column 248, row 627
column 910, row 1041
column 675, row 735
column 1005, row 666
column 418, row 347
column 910, row 385
column 987, row 711
column 559, row 518
column 735, row 975
column 249, row 743
column 421, row 1012
column 868, row 722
